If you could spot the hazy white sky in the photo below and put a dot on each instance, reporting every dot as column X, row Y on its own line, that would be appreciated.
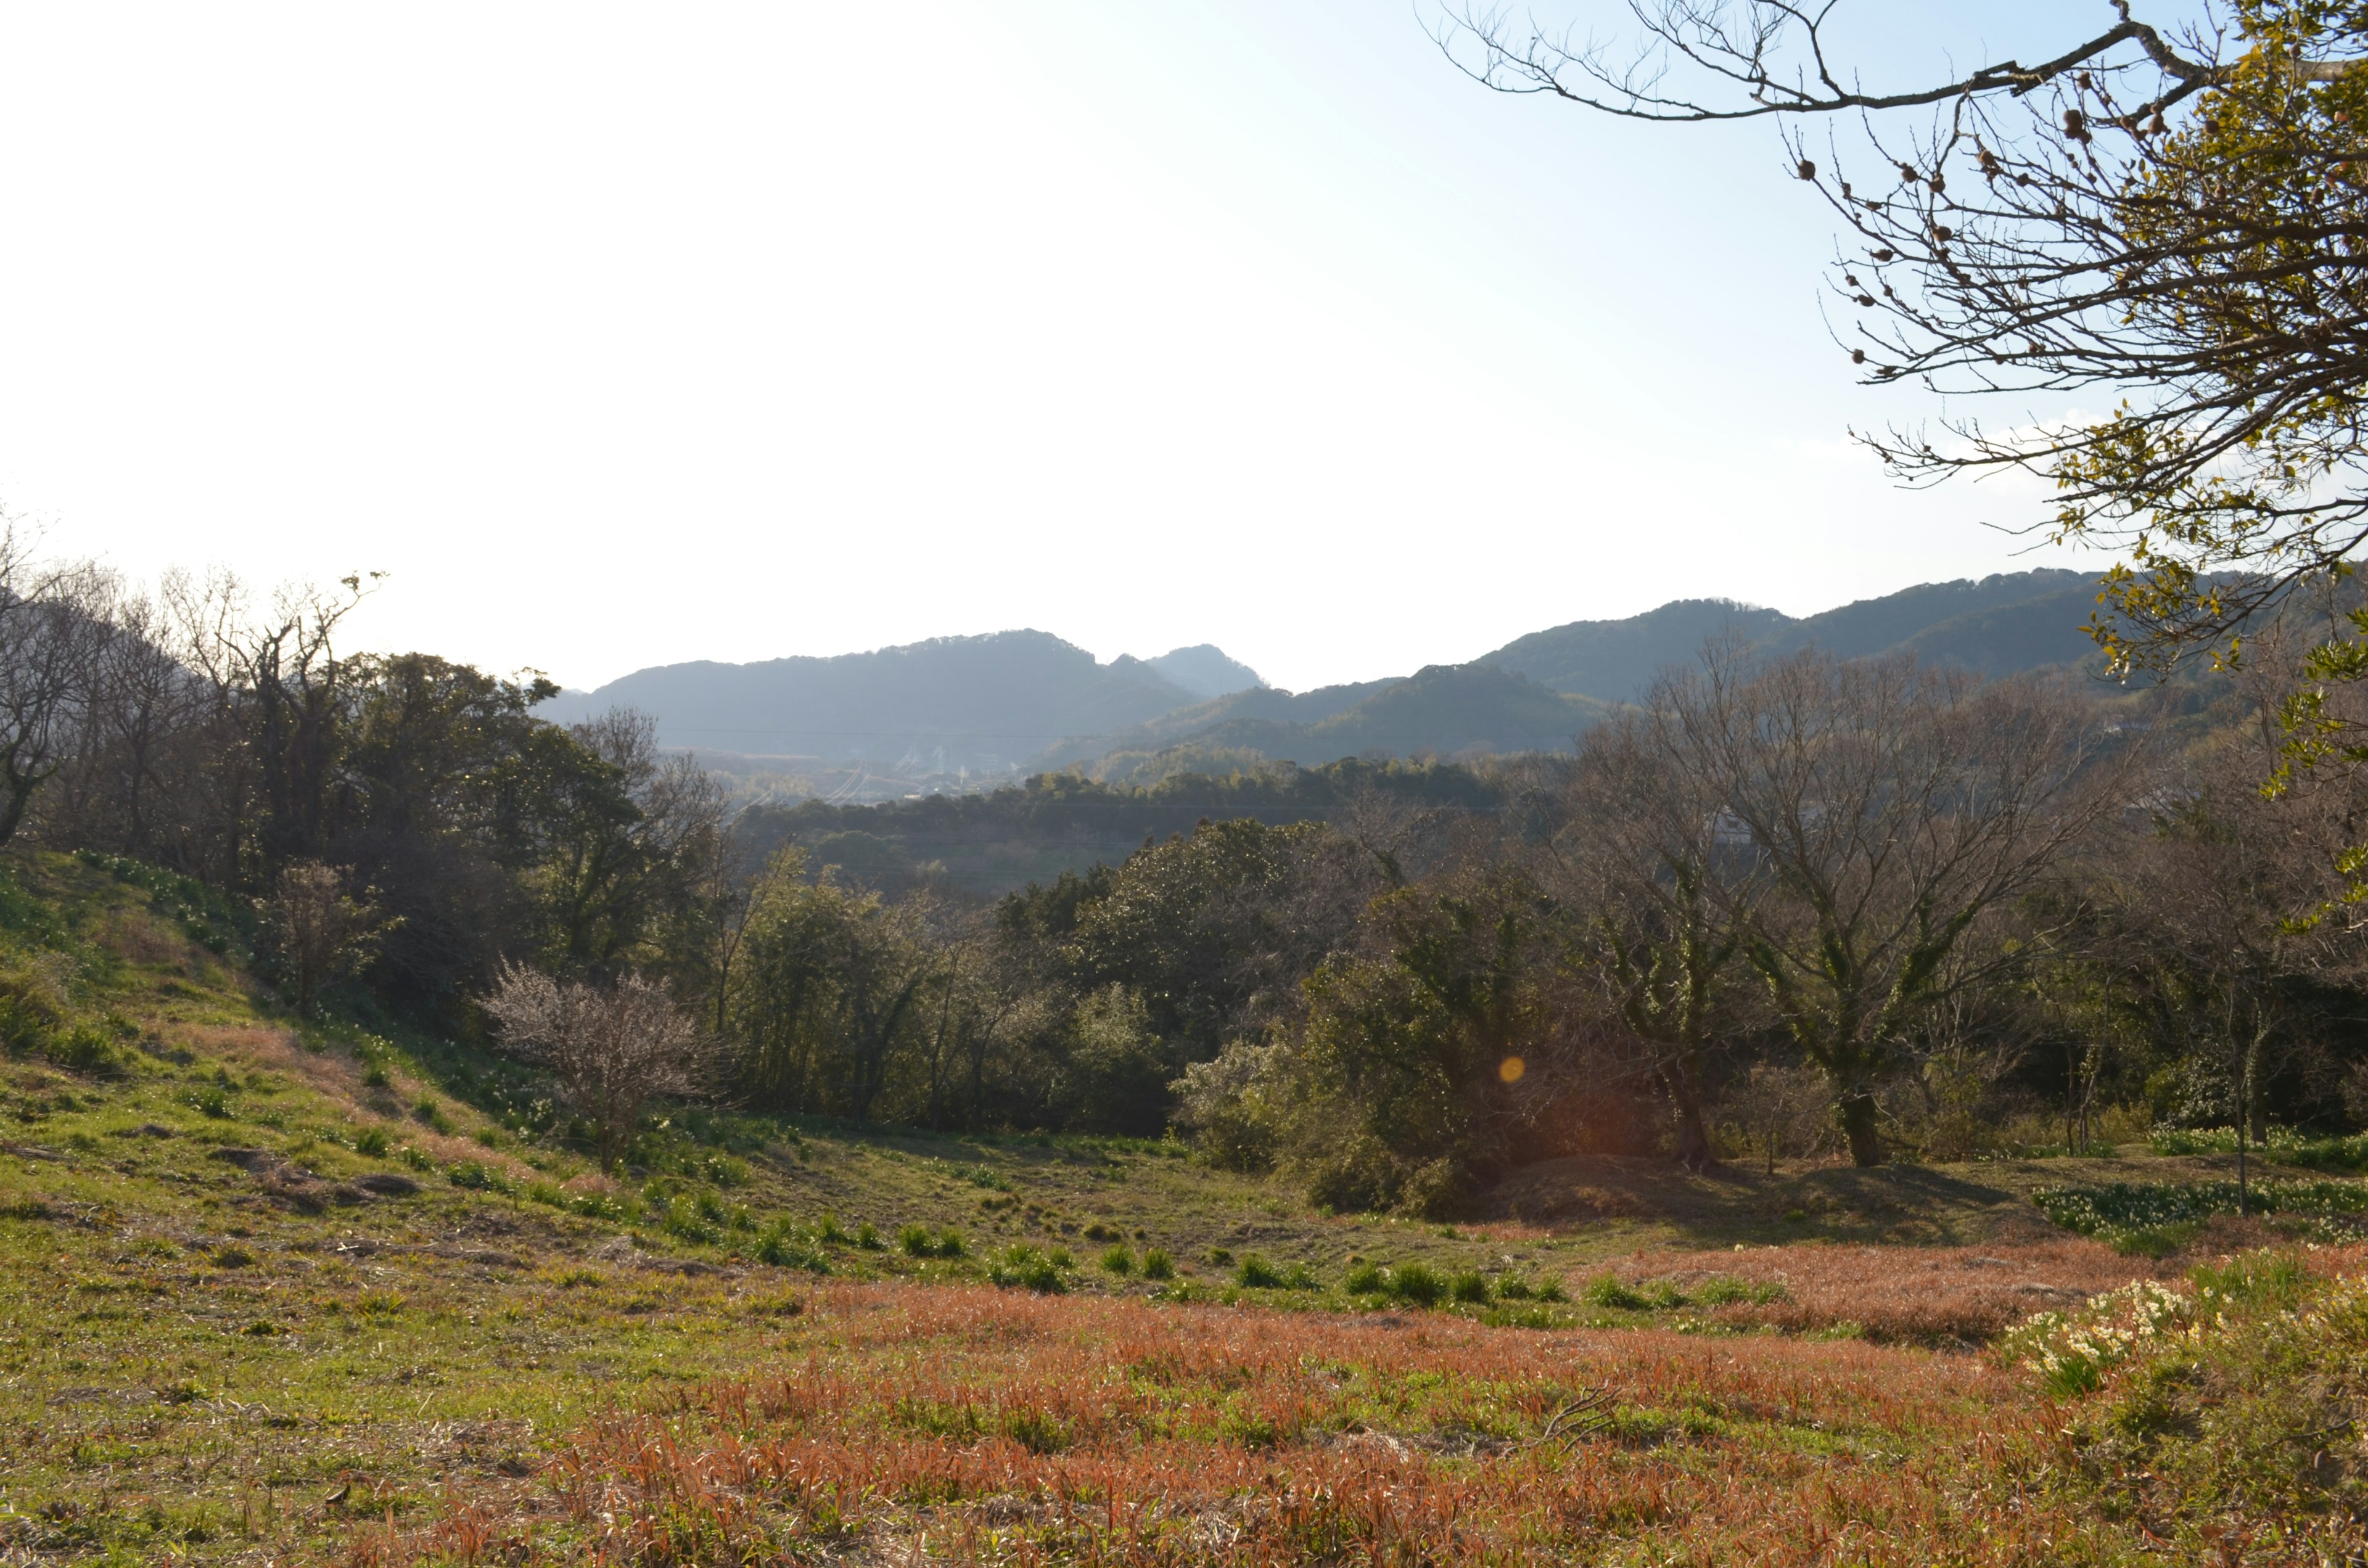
column 620, row 335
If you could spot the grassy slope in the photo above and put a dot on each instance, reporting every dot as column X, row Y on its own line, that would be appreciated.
column 226, row 1360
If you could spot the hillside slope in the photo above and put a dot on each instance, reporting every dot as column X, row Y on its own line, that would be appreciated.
column 310, row 1291
column 1997, row 625
column 981, row 703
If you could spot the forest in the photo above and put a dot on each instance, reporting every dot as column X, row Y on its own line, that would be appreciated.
column 1780, row 906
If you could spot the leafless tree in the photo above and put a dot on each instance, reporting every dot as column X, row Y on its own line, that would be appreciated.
column 132, row 720
column 613, row 1046
column 1663, row 892
column 53, row 630
column 1872, row 811
column 1753, row 59
column 319, row 928
column 2168, row 219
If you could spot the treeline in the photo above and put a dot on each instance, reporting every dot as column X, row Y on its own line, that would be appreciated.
column 997, row 841
column 1777, row 907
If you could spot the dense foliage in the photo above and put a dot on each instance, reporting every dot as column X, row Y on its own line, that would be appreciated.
column 1783, row 904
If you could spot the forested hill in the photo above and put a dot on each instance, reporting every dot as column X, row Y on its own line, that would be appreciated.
column 991, row 843
column 950, row 714
column 981, row 703
column 2016, row 620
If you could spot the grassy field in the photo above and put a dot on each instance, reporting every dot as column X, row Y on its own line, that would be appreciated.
column 288, row 1293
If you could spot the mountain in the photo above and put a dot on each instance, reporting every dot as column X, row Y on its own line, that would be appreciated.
column 1205, row 671
column 952, row 703
column 1997, row 625
column 958, row 711
column 1612, row 661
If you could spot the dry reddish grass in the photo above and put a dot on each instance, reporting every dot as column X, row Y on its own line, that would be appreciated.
column 972, row 1425
column 1935, row 1295
column 1926, row 1294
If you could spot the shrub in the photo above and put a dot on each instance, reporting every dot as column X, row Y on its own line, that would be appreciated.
column 1416, row 1283
column 373, row 1141
column 1157, row 1265
column 1469, row 1286
column 1023, row 1266
column 829, row 1234
column 1721, row 1291
column 782, row 1247
column 684, row 1222
column 84, row 1049
column 477, row 1177
column 867, row 1237
column 1365, row 1280
column 1119, row 1260
column 916, row 1242
column 1605, row 1291
column 1257, row 1274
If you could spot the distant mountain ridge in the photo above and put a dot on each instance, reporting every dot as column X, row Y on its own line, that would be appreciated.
column 1997, row 625
column 979, row 703
column 956, row 713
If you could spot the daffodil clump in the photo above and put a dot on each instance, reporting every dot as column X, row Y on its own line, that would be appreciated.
column 2073, row 1351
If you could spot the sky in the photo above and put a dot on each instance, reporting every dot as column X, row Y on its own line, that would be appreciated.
column 623, row 336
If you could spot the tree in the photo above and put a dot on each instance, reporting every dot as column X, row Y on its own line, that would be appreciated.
column 2171, row 224
column 54, row 629
column 613, row 1046
column 1875, row 810
column 1662, row 899
column 1421, row 1048
column 318, row 929
column 1215, row 931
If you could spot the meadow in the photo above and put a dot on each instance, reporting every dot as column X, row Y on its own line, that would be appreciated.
column 298, row 1292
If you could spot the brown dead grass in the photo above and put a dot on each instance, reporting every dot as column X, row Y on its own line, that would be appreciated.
column 994, row 1427
column 1922, row 1294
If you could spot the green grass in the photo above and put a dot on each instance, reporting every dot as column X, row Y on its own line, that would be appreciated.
column 407, row 1269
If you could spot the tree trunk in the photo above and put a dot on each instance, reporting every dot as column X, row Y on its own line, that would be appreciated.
column 1694, row 1138
column 1859, row 1126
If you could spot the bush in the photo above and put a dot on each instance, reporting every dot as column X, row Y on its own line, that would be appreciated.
column 1416, row 1283
column 477, row 1177
column 84, row 1049
column 1365, row 1280
column 916, row 1240
column 1024, row 1266
column 1257, row 1274
column 783, row 1247
column 1119, row 1260
column 1157, row 1265
column 1605, row 1291
column 373, row 1141
column 1469, row 1286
